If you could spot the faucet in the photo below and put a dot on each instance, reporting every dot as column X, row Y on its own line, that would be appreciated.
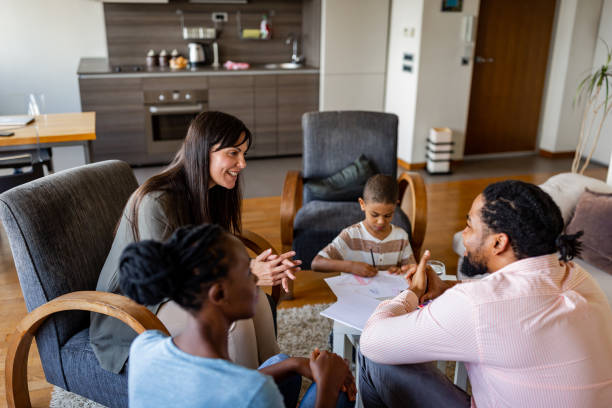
column 292, row 38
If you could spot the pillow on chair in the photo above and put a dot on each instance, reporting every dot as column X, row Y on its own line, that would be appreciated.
column 593, row 215
column 345, row 185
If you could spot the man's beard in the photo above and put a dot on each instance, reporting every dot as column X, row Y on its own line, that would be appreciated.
column 471, row 267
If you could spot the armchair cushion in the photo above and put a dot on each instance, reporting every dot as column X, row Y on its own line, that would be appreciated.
column 317, row 223
column 344, row 185
column 85, row 377
column 566, row 189
column 592, row 215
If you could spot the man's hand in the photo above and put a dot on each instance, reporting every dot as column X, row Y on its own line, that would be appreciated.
column 417, row 275
column 273, row 269
column 363, row 269
column 435, row 286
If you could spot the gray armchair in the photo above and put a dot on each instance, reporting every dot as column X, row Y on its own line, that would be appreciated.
column 332, row 140
column 60, row 229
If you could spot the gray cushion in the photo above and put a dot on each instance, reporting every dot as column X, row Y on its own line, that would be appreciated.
column 60, row 228
column 345, row 185
column 317, row 223
column 332, row 140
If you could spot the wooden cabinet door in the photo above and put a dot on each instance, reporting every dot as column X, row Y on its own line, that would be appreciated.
column 120, row 117
column 297, row 94
column 265, row 135
column 232, row 94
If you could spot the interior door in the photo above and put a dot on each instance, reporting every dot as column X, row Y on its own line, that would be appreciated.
column 508, row 78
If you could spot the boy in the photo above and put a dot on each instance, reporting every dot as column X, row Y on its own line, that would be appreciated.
column 374, row 243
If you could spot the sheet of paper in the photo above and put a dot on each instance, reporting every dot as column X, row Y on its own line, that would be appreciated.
column 383, row 286
column 358, row 296
column 353, row 312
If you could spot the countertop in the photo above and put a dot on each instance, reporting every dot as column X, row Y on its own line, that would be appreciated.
column 100, row 68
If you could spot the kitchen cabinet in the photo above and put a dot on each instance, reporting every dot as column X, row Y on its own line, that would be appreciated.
column 271, row 105
column 265, row 128
column 233, row 95
column 120, row 119
column 296, row 95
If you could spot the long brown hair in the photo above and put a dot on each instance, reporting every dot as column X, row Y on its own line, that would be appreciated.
column 187, row 177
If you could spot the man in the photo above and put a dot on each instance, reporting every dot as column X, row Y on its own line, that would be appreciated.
column 535, row 332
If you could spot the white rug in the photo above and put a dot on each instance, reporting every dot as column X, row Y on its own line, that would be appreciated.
column 300, row 330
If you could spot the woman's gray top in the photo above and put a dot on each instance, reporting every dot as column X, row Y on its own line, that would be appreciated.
column 110, row 338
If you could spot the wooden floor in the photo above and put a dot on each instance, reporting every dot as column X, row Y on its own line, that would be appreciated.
column 448, row 203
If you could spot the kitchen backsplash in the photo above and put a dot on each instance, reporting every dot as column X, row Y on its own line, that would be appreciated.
column 133, row 29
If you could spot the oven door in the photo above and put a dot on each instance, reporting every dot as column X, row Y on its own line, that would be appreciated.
column 167, row 125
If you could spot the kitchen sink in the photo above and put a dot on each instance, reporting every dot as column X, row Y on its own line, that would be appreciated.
column 284, row 65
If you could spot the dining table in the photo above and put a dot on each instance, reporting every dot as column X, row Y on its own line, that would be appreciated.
column 51, row 130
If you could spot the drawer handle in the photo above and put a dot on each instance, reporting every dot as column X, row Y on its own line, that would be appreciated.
column 177, row 109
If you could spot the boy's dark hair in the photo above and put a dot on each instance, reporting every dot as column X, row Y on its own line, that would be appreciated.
column 179, row 269
column 381, row 188
column 530, row 218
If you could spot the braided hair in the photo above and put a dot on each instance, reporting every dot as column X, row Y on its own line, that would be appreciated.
column 179, row 269
column 530, row 218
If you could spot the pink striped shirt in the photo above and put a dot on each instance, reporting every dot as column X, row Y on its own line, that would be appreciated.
column 536, row 333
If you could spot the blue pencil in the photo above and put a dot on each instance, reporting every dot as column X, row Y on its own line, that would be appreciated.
column 373, row 261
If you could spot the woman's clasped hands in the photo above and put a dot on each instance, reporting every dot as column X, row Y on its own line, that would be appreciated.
column 272, row 269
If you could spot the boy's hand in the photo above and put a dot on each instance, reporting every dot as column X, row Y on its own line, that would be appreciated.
column 363, row 269
column 395, row 270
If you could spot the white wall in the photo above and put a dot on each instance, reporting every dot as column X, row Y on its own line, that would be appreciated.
column 444, row 84
column 42, row 42
column 436, row 93
column 573, row 50
column 604, row 147
column 353, row 54
column 401, row 86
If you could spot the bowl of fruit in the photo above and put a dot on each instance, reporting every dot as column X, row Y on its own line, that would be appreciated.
column 178, row 62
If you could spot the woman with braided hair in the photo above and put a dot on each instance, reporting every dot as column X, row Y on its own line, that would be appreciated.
column 205, row 270
column 201, row 185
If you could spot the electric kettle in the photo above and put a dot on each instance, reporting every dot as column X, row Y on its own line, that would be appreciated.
column 199, row 54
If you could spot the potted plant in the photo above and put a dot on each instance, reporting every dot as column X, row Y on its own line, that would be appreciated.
column 595, row 93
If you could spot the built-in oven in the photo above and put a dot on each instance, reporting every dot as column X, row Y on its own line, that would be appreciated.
column 168, row 115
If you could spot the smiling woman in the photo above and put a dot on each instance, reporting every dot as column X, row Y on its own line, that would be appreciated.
column 201, row 185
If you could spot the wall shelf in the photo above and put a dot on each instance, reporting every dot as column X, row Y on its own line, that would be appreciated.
column 249, row 22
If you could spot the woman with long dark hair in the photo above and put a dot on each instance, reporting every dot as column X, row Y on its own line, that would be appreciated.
column 205, row 270
column 201, row 185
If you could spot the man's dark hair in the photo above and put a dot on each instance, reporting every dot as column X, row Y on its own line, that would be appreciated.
column 381, row 188
column 530, row 218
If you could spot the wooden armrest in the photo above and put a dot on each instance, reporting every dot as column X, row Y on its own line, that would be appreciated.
column 258, row 244
column 413, row 201
column 291, row 202
column 255, row 242
column 129, row 312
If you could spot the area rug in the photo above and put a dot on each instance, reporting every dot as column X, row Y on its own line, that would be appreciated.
column 300, row 330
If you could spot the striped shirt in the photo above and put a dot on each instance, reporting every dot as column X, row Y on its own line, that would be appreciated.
column 536, row 333
column 355, row 242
